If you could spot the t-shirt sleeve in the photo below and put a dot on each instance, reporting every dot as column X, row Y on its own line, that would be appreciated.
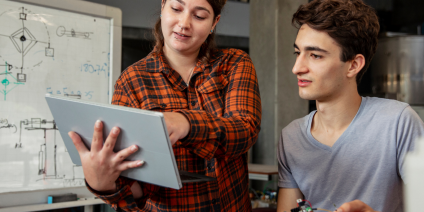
column 285, row 177
column 410, row 128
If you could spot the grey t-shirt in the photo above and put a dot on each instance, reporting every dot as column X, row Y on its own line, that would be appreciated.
column 365, row 163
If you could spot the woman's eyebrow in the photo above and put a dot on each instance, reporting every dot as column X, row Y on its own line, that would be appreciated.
column 202, row 8
column 197, row 8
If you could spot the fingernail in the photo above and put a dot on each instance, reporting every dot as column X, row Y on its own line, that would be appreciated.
column 98, row 123
column 140, row 163
column 115, row 130
column 134, row 148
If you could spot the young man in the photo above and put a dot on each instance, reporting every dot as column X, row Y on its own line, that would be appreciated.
column 350, row 152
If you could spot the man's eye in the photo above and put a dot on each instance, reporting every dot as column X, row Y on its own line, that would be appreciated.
column 316, row 56
column 296, row 53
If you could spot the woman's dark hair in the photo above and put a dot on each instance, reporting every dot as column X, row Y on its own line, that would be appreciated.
column 207, row 48
column 351, row 23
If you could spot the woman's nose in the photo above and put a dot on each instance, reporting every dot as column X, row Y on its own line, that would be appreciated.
column 184, row 22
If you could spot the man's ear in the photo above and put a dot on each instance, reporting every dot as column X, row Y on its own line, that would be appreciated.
column 356, row 65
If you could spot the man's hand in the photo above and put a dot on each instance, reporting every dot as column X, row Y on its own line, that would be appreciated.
column 177, row 125
column 101, row 165
column 355, row 206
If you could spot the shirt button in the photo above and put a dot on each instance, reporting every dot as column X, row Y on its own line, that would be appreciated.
column 163, row 105
column 213, row 201
column 193, row 103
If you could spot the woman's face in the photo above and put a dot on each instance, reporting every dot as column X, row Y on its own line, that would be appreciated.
column 186, row 24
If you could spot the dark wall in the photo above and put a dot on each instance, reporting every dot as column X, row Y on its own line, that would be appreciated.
column 138, row 43
column 408, row 14
column 134, row 50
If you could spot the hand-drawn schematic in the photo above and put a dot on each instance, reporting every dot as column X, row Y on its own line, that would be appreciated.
column 35, row 124
column 62, row 31
column 24, row 40
column 5, row 124
column 46, row 50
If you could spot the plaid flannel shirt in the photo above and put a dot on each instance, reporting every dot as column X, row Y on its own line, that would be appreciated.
column 223, row 106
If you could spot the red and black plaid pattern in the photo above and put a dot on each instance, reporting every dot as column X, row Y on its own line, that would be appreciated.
column 223, row 106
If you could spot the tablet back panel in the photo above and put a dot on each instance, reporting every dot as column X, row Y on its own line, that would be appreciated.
column 144, row 128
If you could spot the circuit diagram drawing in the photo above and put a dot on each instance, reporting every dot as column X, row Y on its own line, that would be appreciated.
column 10, row 82
column 46, row 48
column 4, row 124
column 38, row 124
column 42, row 125
column 26, row 35
column 61, row 31
column 74, row 181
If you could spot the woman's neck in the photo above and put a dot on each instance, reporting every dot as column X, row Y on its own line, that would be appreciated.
column 182, row 63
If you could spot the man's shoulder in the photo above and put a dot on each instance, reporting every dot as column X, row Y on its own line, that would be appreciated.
column 383, row 107
column 381, row 102
column 298, row 124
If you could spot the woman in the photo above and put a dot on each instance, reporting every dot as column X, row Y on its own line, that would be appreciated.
column 212, row 109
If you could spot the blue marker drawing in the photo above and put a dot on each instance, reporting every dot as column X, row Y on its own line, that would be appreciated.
column 49, row 90
column 92, row 69
column 88, row 94
column 6, row 82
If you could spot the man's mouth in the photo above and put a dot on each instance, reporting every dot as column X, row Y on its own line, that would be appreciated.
column 303, row 83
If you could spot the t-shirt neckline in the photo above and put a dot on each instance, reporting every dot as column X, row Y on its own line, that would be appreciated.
column 341, row 139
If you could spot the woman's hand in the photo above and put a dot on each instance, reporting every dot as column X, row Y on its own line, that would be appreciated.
column 101, row 165
column 177, row 125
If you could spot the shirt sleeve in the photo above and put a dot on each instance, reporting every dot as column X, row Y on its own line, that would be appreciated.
column 237, row 130
column 123, row 199
column 285, row 177
column 410, row 128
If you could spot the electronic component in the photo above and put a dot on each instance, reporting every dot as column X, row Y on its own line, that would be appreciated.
column 305, row 206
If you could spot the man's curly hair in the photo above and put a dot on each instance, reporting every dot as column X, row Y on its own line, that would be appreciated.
column 351, row 23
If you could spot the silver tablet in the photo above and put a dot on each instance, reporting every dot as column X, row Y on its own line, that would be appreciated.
column 144, row 128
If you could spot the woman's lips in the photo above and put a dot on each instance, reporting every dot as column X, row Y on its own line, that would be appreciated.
column 180, row 36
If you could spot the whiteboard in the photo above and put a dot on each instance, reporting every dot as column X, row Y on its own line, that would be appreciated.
column 47, row 46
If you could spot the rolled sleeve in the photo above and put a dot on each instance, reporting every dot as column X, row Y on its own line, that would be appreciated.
column 237, row 130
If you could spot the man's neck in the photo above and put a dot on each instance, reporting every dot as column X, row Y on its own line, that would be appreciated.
column 334, row 116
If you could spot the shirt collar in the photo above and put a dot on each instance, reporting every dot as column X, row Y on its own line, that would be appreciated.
column 157, row 62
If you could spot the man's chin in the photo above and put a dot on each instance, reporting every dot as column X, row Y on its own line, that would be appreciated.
column 307, row 96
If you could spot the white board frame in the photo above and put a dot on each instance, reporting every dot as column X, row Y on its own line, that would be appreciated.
column 12, row 199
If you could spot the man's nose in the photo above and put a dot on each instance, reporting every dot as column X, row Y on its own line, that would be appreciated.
column 300, row 67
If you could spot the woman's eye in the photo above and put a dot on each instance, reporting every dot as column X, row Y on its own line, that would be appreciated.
column 198, row 17
column 175, row 9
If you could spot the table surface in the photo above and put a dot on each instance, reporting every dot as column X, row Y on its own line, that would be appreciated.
column 262, row 169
